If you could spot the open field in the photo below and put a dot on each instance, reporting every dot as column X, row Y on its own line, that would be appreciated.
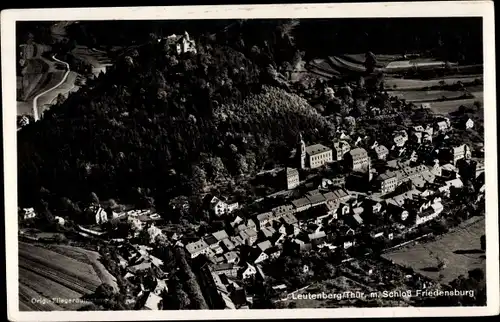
column 459, row 249
column 68, row 273
column 382, row 60
column 446, row 107
column 419, row 96
column 403, row 84
column 98, row 59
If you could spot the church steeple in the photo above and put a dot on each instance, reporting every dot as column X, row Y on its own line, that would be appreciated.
column 301, row 148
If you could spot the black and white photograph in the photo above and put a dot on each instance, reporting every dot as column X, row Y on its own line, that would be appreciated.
column 241, row 162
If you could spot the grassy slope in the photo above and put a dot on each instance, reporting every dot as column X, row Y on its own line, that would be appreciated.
column 422, row 257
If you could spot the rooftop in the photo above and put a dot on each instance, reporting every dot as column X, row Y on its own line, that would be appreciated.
column 196, row 246
column 301, row 202
column 316, row 198
column 264, row 245
column 316, row 149
column 210, row 240
column 290, row 219
column 220, row 235
column 358, row 153
column 386, row 175
column 264, row 216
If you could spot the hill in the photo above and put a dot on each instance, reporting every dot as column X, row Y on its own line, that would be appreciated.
column 156, row 126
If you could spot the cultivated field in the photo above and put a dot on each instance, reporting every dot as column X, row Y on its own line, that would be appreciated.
column 60, row 272
column 420, row 96
column 98, row 59
column 404, row 83
column 460, row 250
column 446, row 107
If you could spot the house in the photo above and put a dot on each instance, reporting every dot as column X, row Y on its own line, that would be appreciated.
column 257, row 256
column 161, row 286
column 292, row 178
column 340, row 148
column 339, row 195
column 248, row 272
column 264, row 219
column 304, row 244
column 301, row 204
column 400, row 140
column 382, row 152
column 289, row 219
column 430, row 213
column 267, row 232
column 237, row 241
column 143, row 266
column 232, row 257
column 249, row 236
column 60, row 221
column 220, row 235
column 227, row 244
column 264, row 245
column 28, row 213
column 387, row 182
column 441, row 126
column 315, row 198
column 149, row 301
column 455, row 153
column 229, row 269
column 197, row 248
column 251, row 224
column 241, row 227
column 331, row 208
column 154, row 232
column 318, row 155
column 236, row 221
column 181, row 44
column 469, row 124
column 273, row 252
column 101, row 216
column 283, row 210
column 358, row 159
column 221, row 207
column 317, row 238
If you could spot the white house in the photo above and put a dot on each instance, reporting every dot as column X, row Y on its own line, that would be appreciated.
column 153, row 232
column 469, row 124
column 430, row 213
column 221, row 207
column 249, row 271
column 29, row 213
column 60, row 220
column 101, row 216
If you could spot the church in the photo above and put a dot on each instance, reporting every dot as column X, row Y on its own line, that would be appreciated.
column 313, row 156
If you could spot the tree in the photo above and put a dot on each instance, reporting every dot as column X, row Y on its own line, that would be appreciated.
column 94, row 199
column 483, row 242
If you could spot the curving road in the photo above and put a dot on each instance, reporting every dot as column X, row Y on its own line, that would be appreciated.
column 35, row 107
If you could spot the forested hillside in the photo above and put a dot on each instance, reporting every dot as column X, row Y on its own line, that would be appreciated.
column 157, row 126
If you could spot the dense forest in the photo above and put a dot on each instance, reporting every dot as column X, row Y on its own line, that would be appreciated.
column 158, row 126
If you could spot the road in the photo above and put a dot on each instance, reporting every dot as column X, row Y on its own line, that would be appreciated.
column 35, row 107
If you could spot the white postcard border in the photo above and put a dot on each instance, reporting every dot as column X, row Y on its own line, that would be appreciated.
column 483, row 9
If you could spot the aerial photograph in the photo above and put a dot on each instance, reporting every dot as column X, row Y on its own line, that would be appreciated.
column 250, row 164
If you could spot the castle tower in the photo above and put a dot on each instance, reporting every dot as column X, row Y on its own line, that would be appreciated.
column 301, row 148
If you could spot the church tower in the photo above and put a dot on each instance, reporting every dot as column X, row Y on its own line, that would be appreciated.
column 301, row 148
